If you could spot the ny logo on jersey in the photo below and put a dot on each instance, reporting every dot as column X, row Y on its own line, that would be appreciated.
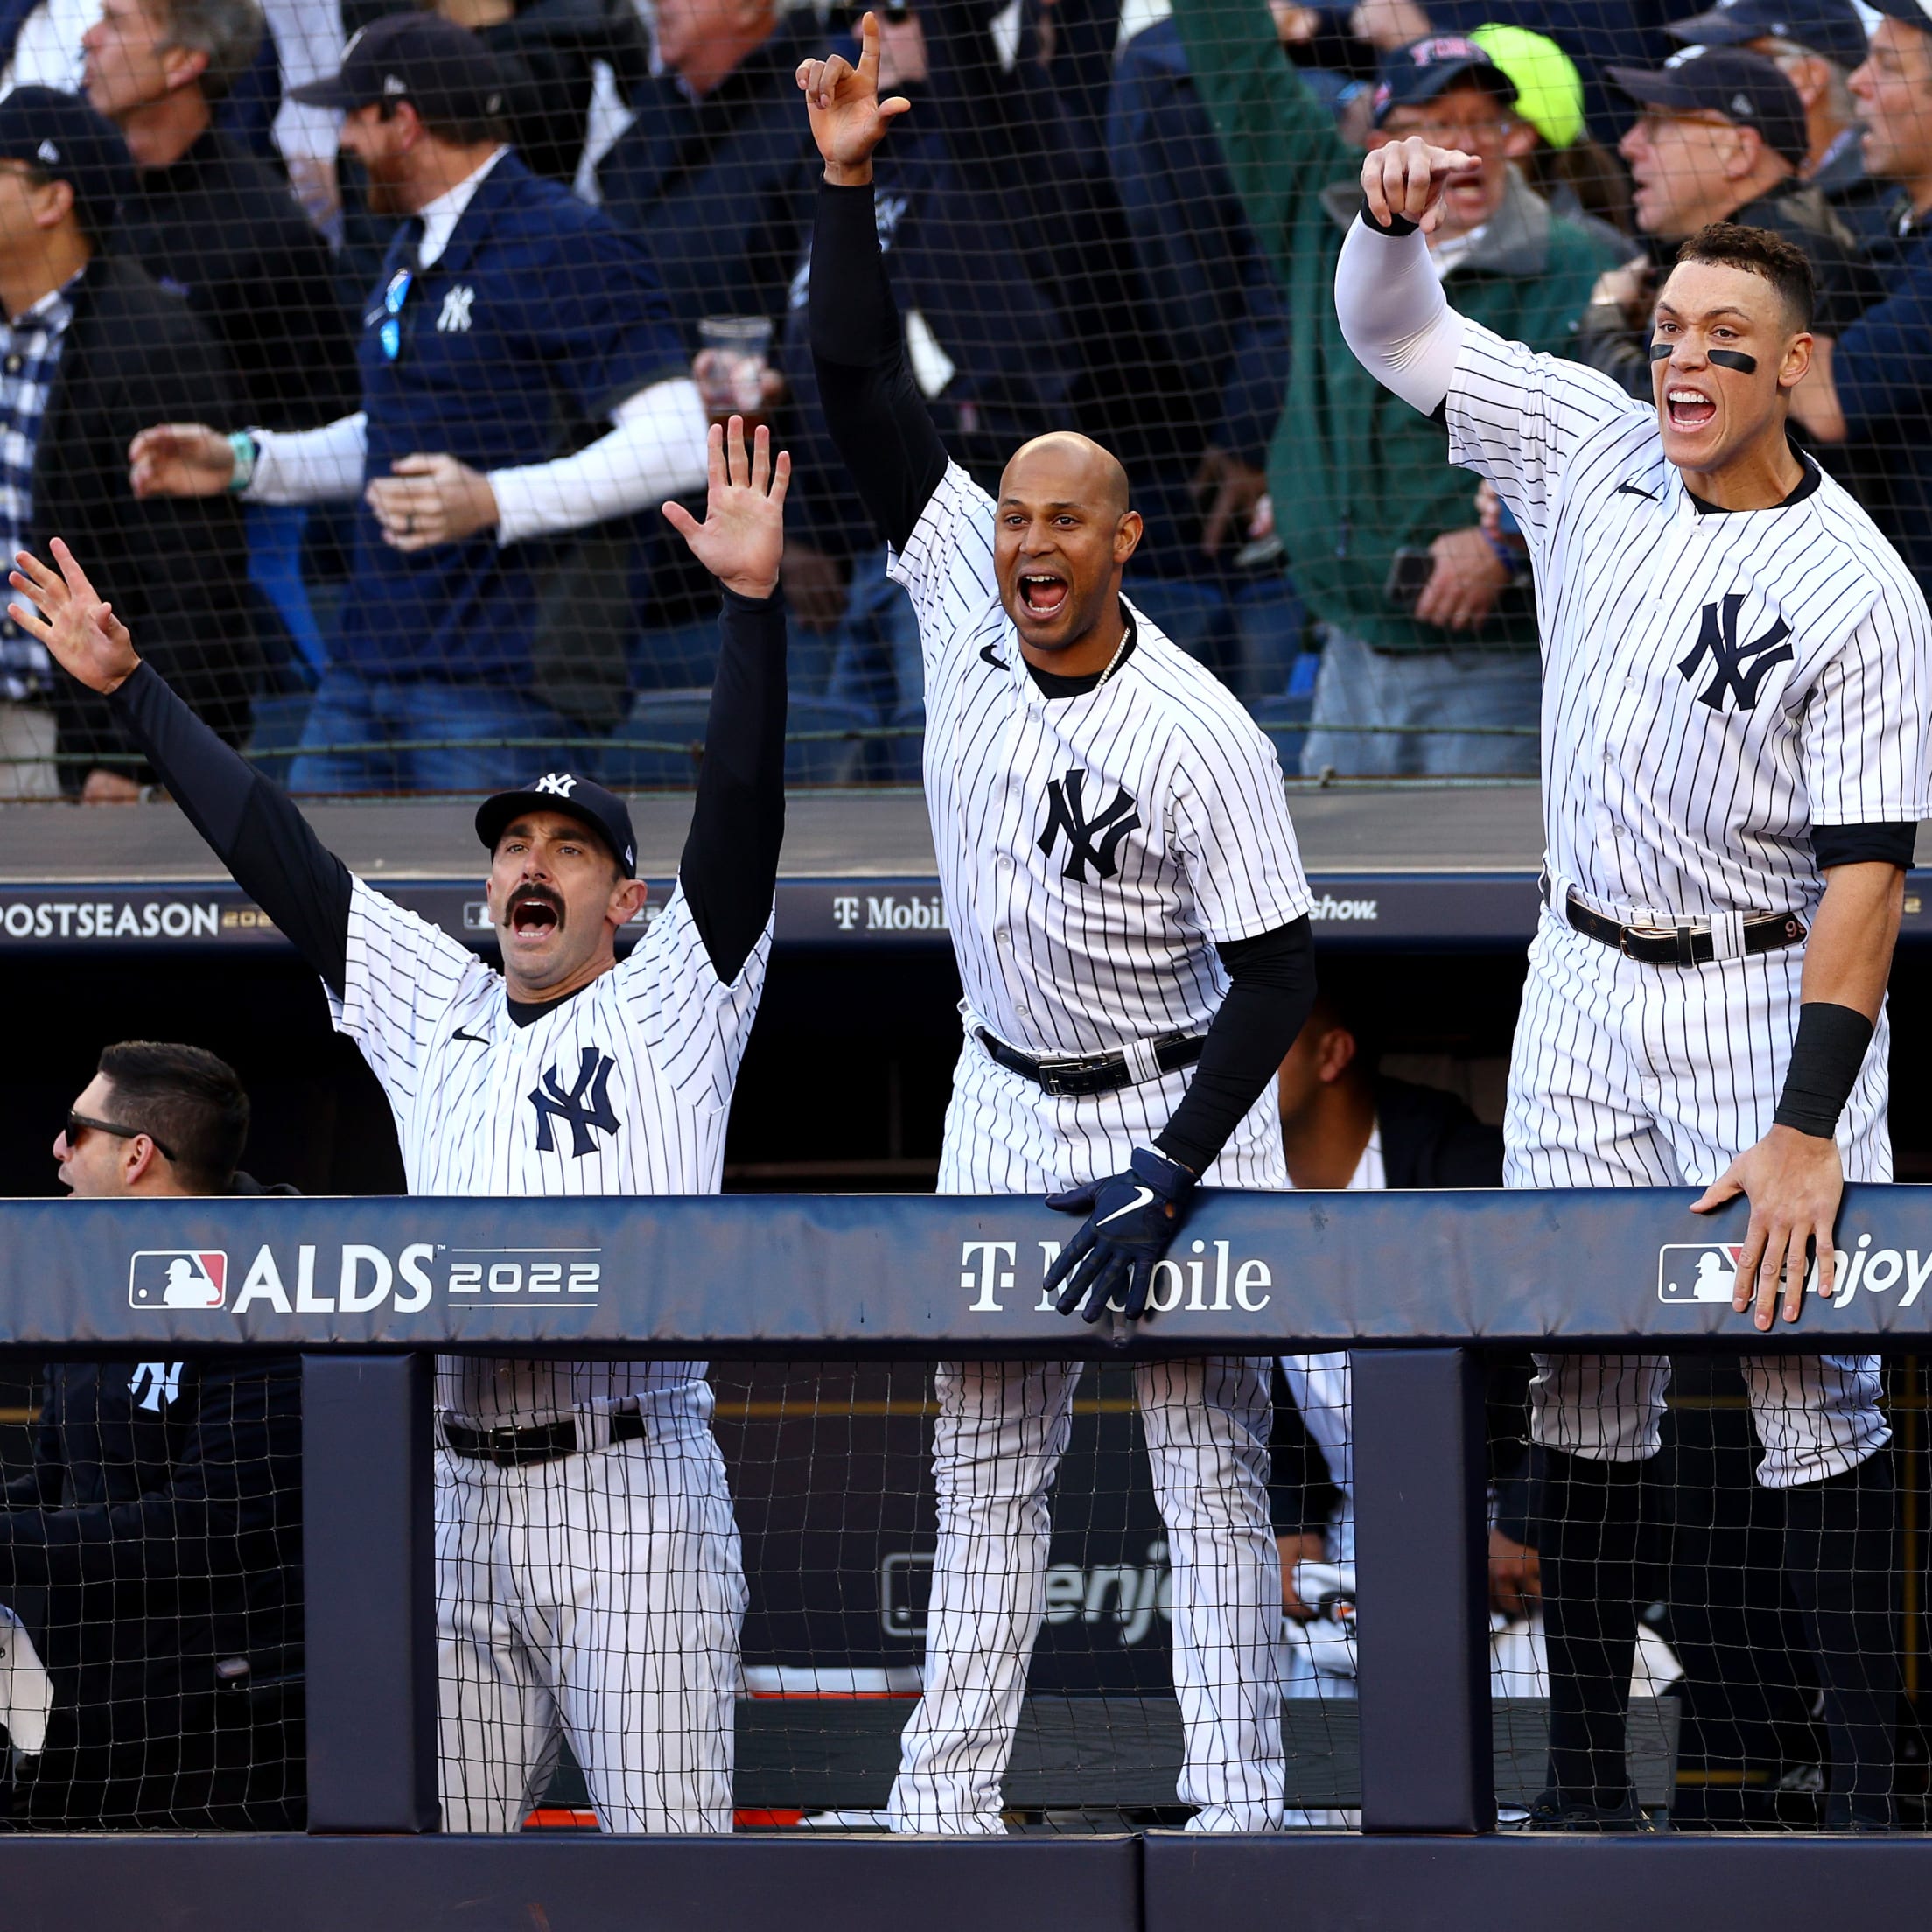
column 164, row 1380
column 586, row 1105
column 1065, row 814
column 1730, row 670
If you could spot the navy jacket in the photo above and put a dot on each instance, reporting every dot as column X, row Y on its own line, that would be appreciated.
column 1203, row 277
column 154, row 1550
column 539, row 317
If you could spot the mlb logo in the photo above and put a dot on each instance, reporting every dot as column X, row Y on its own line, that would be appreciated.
column 178, row 1278
column 1690, row 1271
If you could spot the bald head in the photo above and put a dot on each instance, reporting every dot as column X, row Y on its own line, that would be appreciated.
column 1065, row 466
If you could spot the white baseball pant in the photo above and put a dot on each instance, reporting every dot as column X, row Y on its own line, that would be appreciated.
column 996, row 1444
column 597, row 1597
column 1631, row 1075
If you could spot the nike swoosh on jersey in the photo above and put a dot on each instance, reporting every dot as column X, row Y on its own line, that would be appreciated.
column 1631, row 489
column 986, row 657
column 1142, row 1196
column 476, row 1039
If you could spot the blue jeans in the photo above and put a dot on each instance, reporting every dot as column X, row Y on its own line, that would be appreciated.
column 351, row 708
column 1359, row 685
column 876, row 664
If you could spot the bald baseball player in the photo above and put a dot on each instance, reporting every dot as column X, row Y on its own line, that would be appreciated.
column 589, row 1582
column 1737, row 674
column 1127, row 908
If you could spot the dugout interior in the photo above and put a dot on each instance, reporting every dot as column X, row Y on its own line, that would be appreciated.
column 115, row 924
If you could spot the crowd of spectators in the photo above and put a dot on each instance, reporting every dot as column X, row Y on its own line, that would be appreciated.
column 424, row 311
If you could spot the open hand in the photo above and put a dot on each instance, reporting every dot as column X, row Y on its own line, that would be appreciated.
column 848, row 118
column 431, row 500
column 1463, row 588
column 83, row 635
column 741, row 541
column 1795, row 1183
column 1407, row 178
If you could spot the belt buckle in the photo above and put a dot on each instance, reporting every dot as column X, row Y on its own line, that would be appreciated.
column 503, row 1440
column 1051, row 1080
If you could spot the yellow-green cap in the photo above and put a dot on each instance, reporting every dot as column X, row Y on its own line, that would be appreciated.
column 1549, row 88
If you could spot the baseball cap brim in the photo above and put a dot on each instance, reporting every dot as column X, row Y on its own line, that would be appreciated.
column 1656, row 87
column 1718, row 28
column 331, row 93
column 1431, row 83
column 495, row 815
column 1911, row 11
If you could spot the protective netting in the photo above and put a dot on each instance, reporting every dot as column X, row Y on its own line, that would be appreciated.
column 151, row 1671
column 477, row 375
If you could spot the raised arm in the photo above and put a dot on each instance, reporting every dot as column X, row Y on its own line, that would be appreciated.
column 730, row 868
column 251, row 825
column 872, row 406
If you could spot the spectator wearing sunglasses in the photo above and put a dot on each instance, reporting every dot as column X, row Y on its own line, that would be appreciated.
column 505, row 308
column 93, row 350
column 153, row 1547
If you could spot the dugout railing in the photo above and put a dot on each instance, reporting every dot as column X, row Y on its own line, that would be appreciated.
column 369, row 1289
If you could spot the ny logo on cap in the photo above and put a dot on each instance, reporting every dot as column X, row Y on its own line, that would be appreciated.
column 394, row 83
column 48, row 153
column 558, row 783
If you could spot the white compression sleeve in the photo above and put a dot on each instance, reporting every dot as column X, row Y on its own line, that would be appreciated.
column 321, row 466
column 655, row 450
column 1395, row 316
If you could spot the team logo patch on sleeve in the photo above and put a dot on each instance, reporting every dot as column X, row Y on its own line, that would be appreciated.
column 177, row 1278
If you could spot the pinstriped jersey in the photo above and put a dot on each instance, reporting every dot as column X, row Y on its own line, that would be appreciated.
column 1715, row 683
column 1092, row 849
column 623, row 1089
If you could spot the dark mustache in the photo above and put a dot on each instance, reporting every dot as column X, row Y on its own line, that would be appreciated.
column 541, row 895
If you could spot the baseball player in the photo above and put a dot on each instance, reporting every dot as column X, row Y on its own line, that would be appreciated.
column 1736, row 684
column 1127, row 903
column 589, row 1580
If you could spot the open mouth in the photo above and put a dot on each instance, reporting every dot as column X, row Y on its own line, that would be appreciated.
column 534, row 915
column 1043, row 594
column 1689, row 409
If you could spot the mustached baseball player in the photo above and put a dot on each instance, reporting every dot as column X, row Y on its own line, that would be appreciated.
column 1127, row 902
column 1737, row 673
column 589, row 1580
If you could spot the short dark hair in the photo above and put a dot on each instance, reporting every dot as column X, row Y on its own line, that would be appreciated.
column 185, row 1098
column 1757, row 251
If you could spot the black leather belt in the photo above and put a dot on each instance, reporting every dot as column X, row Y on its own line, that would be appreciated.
column 545, row 1442
column 1678, row 945
column 1074, row 1078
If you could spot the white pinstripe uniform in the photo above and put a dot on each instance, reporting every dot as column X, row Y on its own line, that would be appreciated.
column 1715, row 685
column 1078, row 939
column 599, row 1594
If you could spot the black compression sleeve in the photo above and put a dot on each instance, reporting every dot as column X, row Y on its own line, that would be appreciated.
column 1826, row 1058
column 729, row 867
column 872, row 407
column 1271, row 989
column 251, row 825
column 1885, row 844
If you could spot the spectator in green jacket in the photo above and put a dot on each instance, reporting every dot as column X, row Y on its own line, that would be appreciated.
column 1423, row 620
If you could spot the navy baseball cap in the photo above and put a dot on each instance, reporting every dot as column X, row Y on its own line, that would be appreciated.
column 1744, row 88
column 582, row 798
column 1430, row 66
column 442, row 70
column 63, row 137
column 1829, row 27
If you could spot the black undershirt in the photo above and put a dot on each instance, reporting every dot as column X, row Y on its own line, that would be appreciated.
column 729, row 869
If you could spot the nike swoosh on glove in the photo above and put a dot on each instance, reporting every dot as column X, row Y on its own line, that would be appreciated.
column 1130, row 1220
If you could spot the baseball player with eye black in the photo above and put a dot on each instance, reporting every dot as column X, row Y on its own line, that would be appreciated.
column 1131, row 924
column 588, row 1577
column 1737, row 672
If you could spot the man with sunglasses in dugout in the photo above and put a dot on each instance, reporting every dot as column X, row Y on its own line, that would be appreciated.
column 153, row 1546
column 506, row 306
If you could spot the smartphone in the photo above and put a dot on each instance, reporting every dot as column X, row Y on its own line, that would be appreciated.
column 1407, row 575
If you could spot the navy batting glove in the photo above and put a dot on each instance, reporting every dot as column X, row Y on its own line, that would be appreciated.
column 1130, row 1219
